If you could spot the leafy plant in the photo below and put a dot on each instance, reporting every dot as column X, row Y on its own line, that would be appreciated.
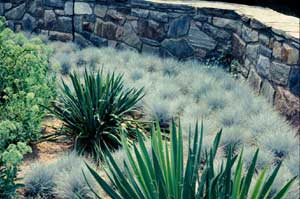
column 9, row 162
column 24, row 84
column 166, row 175
column 94, row 110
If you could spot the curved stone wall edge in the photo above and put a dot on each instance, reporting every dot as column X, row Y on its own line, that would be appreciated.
column 268, row 58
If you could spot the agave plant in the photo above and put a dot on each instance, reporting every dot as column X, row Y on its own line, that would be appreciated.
column 166, row 176
column 94, row 110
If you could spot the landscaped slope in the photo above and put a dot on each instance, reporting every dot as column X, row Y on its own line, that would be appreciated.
column 196, row 91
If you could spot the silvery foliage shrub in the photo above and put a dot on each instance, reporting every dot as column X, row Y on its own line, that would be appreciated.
column 234, row 104
column 62, row 179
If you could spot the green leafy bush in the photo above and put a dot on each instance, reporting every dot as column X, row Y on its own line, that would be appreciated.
column 24, row 84
column 165, row 175
column 94, row 110
column 9, row 162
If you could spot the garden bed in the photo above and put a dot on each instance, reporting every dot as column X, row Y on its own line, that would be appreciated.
column 67, row 106
column 193, row 91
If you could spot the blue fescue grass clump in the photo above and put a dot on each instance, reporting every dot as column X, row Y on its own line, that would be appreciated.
column 39, row 181
column 60, row 179
column 199, row 91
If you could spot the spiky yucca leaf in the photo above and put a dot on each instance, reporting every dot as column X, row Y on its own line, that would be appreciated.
column 93, row 110
column 163, row 176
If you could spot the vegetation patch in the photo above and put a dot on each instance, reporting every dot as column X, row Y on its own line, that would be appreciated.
column 24, row 85
column 196, row 91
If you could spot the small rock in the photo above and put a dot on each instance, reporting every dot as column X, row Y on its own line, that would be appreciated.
column 68, row 8
column 129, row 37
column 288, row 105
column 59, row 12
column 178, row 48
column 78, row 23
column 159, row 16
column 200, row 53
column 140, row 12
column 280, row 73
column 64, row 24
column 150, row 49
column 116, row 16
column 98, row 41
column 100, row 10
column 179, row 27
column 1, row 9
column 55, row 3
column 106, row 30
column 238, row 47
column 227, row 23
column 16, row 13
column 277, row 50
column 150, row 29
column 199, row 39
column 122, row 46
column 88, row 26
column 81, row 41
column 263, row 66
column 289, row 54
column 264, row 39
column 254, row 81
column 53, row 35
column 81, row 8
column 49, row 19
column 294, row 81
column 267, row 91
column 29, row 22
column 265, row 51
column 252, row 51
column 249, row 35
column 201, row 17
column 216, row 32
column 7, row 6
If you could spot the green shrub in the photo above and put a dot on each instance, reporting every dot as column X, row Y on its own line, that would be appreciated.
column 94, row 110
column 9, row 162
column 24, row 84
column 166, row 176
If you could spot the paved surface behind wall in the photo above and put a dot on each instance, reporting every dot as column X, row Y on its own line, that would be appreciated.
column 269, row 17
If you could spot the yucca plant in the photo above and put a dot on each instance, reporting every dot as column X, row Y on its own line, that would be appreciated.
column 93, row 110
column 165, row 176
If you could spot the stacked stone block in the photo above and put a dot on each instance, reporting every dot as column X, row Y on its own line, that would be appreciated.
column 269, row 59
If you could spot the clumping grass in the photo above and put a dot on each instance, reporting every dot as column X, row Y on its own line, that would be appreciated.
column 264, row 158
column 72, row 184
column 60, row 179
column 234, row 136
column 281, row 144
column 198, row 91
column 39, row 181
column 292, row 163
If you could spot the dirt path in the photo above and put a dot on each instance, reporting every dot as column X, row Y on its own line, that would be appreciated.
column 45, row 152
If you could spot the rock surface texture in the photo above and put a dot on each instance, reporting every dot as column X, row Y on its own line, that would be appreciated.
column 266, row 45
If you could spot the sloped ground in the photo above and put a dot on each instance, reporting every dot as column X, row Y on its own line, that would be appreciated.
column 193, row 91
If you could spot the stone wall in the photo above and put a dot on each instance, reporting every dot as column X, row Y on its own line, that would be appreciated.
column 269, row 59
